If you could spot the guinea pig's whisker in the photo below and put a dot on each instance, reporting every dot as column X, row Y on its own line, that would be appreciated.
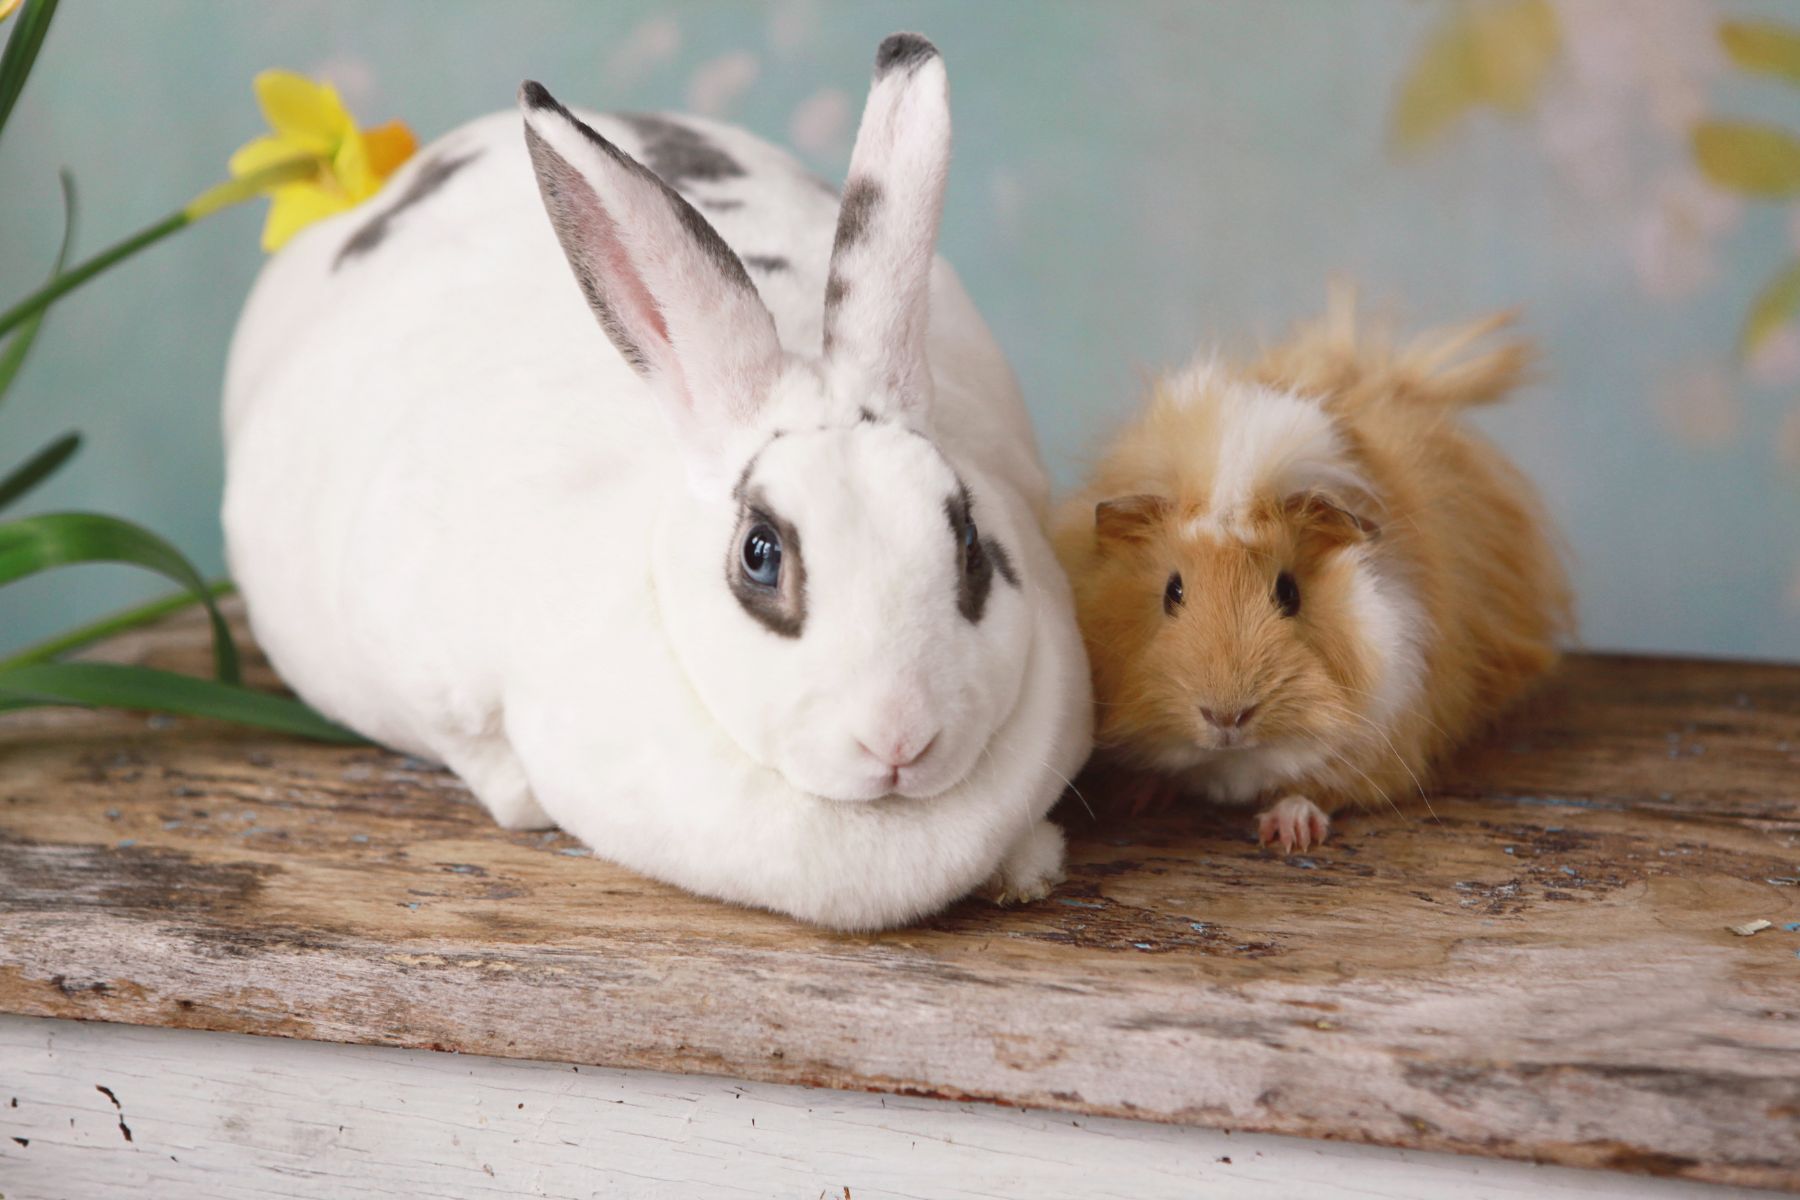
column 1408, row 712
column 988, row 750
column 1376, row 787
column 1070, row 784
column 1398, row 757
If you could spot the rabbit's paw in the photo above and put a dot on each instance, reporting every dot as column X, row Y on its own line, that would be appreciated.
column 1031, row 868
column 1294, row 821
column 498, row 780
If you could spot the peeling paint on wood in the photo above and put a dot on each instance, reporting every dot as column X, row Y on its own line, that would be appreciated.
column 225, row 1116
column 1537, row 968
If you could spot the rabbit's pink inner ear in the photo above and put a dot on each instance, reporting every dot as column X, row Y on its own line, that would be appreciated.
column 592, row 242
column 877, row 293
column 668, row 291
column 633, row 295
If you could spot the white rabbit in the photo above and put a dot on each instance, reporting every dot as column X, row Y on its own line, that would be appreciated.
column 775, row 625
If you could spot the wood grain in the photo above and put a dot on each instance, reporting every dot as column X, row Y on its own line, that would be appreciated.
column 1537, row 968
column 220, row 1116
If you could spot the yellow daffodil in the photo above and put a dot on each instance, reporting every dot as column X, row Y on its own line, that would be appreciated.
column 7, row 7
column 315, row 162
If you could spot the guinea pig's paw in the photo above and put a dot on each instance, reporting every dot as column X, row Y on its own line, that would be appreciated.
column 1031, row 868
column 1294, row 821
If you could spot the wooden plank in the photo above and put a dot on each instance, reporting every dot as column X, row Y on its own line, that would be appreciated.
column 227, row 1116
column 1537, row 969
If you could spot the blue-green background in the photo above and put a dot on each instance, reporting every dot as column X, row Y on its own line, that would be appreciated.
column 1132, row 180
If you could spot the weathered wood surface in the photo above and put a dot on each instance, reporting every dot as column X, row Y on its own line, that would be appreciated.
column 218, row 1116
column 1539, row 970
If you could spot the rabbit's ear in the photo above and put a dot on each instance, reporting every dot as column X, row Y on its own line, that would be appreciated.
column 876, row 297
column 666, row 288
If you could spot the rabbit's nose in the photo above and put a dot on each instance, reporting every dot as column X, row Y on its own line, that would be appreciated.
column 1231, row 718
column 900, row 752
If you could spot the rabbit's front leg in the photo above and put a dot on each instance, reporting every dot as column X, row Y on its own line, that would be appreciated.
column 1032, row 866
column 494, row 774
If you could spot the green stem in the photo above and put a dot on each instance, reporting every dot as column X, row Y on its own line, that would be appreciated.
column 79, row 274
column 234, row 191
column 105, row 627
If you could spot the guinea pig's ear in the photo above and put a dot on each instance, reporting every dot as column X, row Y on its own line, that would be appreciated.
column 1329, row 520
column 663, row 284
column 1128, row 519
column 877, row 292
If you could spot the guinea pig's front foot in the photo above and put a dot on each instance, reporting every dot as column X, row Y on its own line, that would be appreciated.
column 1033, row 866
column 1294, row 821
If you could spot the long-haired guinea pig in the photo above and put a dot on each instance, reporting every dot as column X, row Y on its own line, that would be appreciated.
column 1303, row 582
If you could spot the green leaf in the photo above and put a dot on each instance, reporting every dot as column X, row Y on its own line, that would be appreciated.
column 1775, row 305
column 1757, row 160
column 21, row 51
column 13, row 357
column 117, row 623
column 1767, row 47
column 38, row 468
column 109, row 685
column 36, row 544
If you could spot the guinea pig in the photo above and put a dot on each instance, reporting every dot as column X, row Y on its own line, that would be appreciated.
column 1303, row 582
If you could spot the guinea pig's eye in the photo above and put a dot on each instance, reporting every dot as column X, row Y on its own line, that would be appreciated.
column 1173, row 594
column 971, row 539
column 762, row 555
column 1287, row 594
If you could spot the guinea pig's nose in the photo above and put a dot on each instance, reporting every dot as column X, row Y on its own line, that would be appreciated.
column 1229, row 720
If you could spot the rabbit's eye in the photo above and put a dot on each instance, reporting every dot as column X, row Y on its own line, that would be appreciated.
column 1287, row 594
column 1173, row 594
column 762, row 555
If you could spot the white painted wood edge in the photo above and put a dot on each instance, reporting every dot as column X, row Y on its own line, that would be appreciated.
column 230, row 1116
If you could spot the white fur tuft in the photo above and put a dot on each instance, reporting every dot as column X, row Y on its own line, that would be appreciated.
column 1275, row 443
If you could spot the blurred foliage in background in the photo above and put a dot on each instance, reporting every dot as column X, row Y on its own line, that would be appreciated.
column 41, row 674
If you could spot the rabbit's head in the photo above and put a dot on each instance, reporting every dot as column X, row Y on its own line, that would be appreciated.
column 841, row 599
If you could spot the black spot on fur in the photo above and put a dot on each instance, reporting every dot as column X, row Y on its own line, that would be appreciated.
column 572, row 204
column 1002, row 560
column 867, row 416
column 978, row 562
column 740, row 491
column 780, row 609
column 902, row 51
column 766, row 262
column 835, row 290
column 679, row 153
column 861, row 198
column 431, row 176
